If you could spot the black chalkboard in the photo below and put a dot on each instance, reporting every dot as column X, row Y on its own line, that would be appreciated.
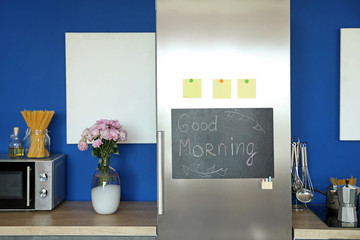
column 222, row 143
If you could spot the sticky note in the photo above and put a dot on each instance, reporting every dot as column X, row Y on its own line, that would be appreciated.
column 221, row 88
column 192, row 88
column 246, row 88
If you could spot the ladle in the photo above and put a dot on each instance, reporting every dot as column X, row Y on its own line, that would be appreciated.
column 304, row 195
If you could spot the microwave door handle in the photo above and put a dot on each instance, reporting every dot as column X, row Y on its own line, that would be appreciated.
column 28, row 169
column 160, row 171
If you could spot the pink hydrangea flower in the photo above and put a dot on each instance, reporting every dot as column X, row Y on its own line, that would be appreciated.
column 105, row 134
column 82, row 146
column 115, row 124
column 97, row 143
column 89, row 138
column 123, row 136
column 94, row 131
column 85, row 133
column 103, row 121
column 102, row 126
column 114, row 133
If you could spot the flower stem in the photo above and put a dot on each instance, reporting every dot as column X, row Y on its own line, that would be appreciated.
column 104, row 168
column 105, row 173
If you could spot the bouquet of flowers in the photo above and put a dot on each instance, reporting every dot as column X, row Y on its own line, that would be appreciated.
column 104, row 135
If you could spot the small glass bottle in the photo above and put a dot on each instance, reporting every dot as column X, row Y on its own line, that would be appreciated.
column 16, row 148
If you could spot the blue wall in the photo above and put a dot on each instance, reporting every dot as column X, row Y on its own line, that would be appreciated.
column 315, row 54
column 32, row 73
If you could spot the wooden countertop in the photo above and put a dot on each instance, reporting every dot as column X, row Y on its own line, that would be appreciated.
column 133, row 219
column 79, row 218
column 307, row 225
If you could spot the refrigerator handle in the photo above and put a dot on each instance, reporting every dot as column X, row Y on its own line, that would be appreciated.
column 160, row 171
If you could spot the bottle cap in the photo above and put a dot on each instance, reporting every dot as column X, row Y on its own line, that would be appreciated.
column 16, row 130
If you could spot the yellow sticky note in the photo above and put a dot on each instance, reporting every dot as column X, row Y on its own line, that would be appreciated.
column 221, row 88
column 192, row 88
column 246, row 88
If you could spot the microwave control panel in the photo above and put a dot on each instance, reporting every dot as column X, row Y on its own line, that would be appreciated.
column 49, row 183
column 43, row 185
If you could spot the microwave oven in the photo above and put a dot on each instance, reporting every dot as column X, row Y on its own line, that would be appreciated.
column 32, row 184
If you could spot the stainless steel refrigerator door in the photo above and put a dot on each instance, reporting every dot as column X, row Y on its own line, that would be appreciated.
column 229, row 39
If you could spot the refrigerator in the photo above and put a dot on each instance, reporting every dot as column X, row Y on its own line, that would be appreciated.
column 223, row 119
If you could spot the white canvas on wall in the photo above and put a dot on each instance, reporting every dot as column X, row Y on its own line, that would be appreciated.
column 111, row 76
column 349, row 84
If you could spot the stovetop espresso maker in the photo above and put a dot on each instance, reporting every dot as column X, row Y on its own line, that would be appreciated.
column 348, row 197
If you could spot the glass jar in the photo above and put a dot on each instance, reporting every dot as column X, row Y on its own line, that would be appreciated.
column 37, row 143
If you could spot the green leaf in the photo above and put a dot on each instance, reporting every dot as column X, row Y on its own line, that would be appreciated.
column 96, row 152
column 115, row 149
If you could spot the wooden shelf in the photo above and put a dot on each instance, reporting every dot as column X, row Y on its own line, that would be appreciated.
column 79, row 218
column 307, row 225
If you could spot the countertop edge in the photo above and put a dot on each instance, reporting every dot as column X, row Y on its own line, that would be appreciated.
column 327, row 233
column 78, row 230
column 307, row 225
column 77, row 218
